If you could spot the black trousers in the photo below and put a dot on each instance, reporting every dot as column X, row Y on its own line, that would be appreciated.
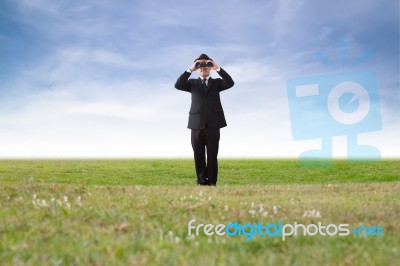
column 206, row 141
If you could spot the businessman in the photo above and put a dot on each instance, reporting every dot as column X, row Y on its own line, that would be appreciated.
column 206, row 115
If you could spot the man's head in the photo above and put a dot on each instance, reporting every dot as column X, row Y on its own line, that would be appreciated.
column 204, row 71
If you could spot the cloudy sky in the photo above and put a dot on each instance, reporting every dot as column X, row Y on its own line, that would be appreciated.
column 96, row 78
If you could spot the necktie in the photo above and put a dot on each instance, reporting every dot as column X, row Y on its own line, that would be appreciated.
column 204, row 84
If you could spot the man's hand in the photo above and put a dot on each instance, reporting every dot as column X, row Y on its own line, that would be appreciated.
column 215, row 66
column 193, row 67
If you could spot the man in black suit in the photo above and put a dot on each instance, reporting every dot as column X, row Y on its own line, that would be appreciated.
column 206, row 115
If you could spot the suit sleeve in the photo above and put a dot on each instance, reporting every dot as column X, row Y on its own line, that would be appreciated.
column 183, row 83
column 227, row 81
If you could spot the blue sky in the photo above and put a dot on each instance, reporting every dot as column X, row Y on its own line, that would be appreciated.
column 96, row 78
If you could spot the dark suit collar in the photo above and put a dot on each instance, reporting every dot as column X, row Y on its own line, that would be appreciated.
column 210, row 81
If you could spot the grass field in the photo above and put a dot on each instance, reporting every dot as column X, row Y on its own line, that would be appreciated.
column 118, row 212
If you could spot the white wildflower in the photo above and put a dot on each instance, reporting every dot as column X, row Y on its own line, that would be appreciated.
column 226, row 208
column 171, row 235
column 78, row 201
column 312, row 213
column 39, row 203
column 43, row 203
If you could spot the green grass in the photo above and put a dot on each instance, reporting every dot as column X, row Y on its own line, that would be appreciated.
column 181, row 172
column 118, row 212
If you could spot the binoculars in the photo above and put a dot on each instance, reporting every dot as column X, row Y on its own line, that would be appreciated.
column 204, row 64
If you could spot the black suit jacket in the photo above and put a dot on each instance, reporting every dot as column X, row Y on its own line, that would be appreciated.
column 206, row 108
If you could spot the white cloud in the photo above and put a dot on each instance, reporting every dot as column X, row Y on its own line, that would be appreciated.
column 103, row 86
column 60, row 123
